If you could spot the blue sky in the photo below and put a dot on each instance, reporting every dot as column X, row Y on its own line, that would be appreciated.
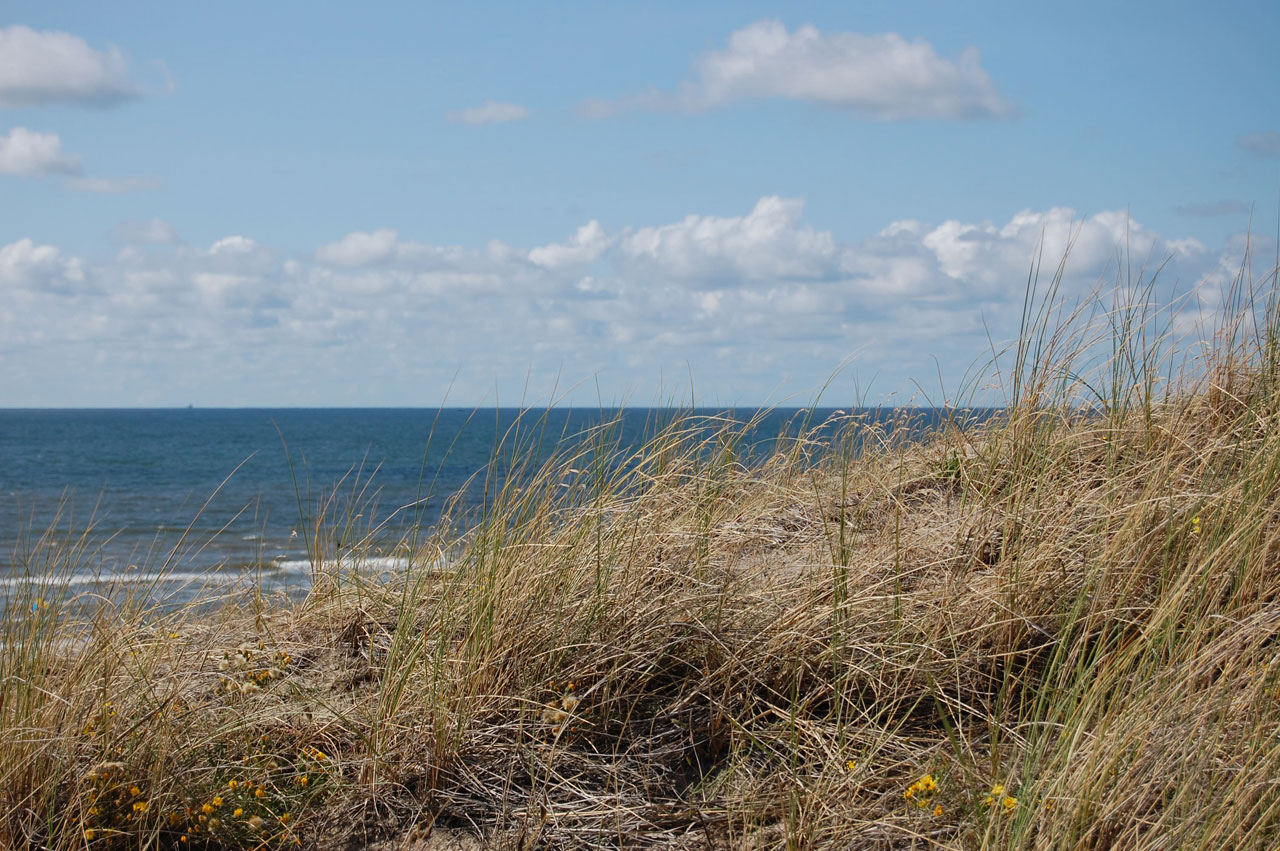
column 379, row 204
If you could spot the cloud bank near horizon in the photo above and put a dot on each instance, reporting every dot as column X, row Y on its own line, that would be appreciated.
column 763, row 300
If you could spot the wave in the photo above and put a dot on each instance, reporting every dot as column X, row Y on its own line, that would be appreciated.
column 139, row 577
column 305, row 565
column 271, row 571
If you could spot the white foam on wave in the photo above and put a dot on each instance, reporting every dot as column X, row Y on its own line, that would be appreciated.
column 141, row 577
column 223, row 577
column 304, row 565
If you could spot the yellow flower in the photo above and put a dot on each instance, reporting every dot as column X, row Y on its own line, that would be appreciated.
column 239, row 812
column 89, row 834
column 232, row 784
column 303, row 780
column 1009, row 804
column 852, row 765
column 284, row 819
column 140, row 807
column 207, row 809
column 259, row 793
column 135, row 791
column 217, row 800
column 937, row 811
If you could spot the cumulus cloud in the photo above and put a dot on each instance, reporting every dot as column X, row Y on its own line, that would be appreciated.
column 28, row 153
column 1265, row 144
column 25, row 152
column 491, row 112
column 359, row 248
column 767, row 243
column 48, row 67
column 24, row 264
column 984, row 255
column 882, row 76
column 235, row 244
column 586, row 246
column 746, row 299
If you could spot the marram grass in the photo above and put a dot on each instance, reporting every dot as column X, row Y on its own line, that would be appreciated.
column 1060, row 629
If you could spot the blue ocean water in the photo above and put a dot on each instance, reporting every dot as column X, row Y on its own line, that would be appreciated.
column 225, row 491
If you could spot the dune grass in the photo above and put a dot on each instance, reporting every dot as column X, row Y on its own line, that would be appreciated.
column 1057, row 629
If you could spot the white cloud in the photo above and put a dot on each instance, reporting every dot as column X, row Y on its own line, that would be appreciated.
column 767, row 243
column 23, row 264
column 26, row 152
column 359, row 248
column 987, row 256
column 111, row 185
column 44, row 67
column 884, row 76
column 492, row 112
column 234, row 244
column 586, row 246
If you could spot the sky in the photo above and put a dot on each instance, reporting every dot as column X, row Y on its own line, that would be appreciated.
column 410, row 204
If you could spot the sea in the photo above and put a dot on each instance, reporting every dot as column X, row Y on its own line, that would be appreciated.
column 182, row 501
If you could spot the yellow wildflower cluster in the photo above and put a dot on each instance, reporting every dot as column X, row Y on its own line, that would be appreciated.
column 560, row 710
column 315, row 760
column 247, row 811
column 922, row 791
column 111, row 806
column 101, row 720
column 248, row 668
column 997, row 796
